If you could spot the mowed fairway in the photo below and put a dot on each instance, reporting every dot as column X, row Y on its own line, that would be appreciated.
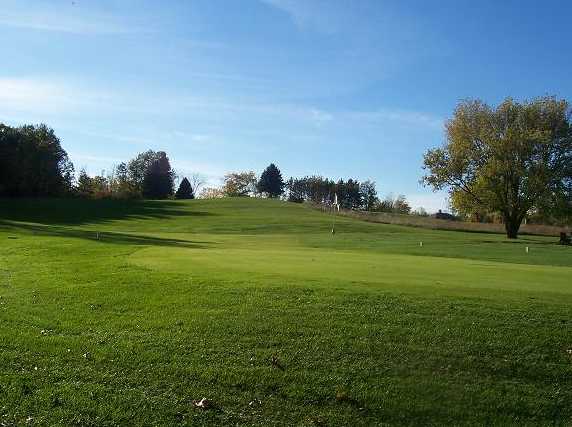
column 178, row 301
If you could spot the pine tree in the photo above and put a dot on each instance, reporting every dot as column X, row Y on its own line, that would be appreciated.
column 185, row 190
column 271, row 181
column 158, row 181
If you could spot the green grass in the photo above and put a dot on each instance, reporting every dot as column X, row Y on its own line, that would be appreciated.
column 178, row 301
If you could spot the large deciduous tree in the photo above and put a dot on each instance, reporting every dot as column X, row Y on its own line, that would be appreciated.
column 271, row 182
column 137, row 168
column 239, row 184
column 33, row 162
column 509, row 160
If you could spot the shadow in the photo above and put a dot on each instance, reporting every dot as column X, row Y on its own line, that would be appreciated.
column 87, row 211
column 523, row 240
column 104, row 237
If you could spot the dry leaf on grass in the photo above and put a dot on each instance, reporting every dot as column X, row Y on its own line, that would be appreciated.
column 204, row 403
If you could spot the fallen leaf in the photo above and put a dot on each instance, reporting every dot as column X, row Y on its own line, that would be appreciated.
column 204, row 403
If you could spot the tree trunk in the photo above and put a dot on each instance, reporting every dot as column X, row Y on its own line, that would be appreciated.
column 512, row 224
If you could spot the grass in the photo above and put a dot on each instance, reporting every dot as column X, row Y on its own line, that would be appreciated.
column 443, row 224
column 254, row 305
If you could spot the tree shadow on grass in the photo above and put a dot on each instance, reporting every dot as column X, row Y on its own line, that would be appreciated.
column 87, row 211
column 104, row 237
column 524, row 240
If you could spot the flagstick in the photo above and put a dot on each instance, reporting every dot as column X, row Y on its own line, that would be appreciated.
column 334, row 207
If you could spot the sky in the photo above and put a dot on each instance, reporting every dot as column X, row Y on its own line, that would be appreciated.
column 348, row 88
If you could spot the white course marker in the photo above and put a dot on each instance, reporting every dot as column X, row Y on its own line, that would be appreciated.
column 420, row 244
column 526, row 249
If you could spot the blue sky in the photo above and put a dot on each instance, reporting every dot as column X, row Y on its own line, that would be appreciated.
column 339, row 88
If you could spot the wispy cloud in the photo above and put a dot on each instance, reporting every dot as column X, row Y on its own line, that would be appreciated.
column 406, row 117
column 69, row 19
column 20, row 93
column 45, row 96
column 317, row 15
column 97, row 159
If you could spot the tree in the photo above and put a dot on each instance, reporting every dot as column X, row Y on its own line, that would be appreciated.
column 211, row 193
column 120, row 184
column 349, row 195
column 197, row 181
column 159, row 178
column 100, row 187
column 296, row 190
column 368, row 195
column 239, row 184
column 138, row 167
column 84, row 184
column 185, row 190
column 401, row 205
column 390, row 204
column 271, row 182
column 510, row 160
column 33, row 162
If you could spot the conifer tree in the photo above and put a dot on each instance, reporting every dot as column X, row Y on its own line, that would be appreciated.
column 185, row 190
column 271, row 182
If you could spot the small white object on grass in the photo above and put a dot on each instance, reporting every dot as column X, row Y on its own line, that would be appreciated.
column 526, row 249
column 420, row 244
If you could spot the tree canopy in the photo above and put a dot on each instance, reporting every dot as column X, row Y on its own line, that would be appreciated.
column 239, row 184
column 351, row 193
column 511, row 160
column 271, row 182
column 33, row 163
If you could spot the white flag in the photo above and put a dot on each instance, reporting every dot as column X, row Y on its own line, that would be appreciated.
column 336, row 204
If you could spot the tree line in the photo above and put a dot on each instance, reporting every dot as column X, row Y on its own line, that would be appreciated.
column 509, row 162
column 34, row 164
column 350, row 193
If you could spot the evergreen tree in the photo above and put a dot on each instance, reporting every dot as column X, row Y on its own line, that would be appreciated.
column 271, row 181
column 159, row 178
column 185, row 190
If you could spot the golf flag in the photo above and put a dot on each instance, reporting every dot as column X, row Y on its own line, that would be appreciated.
column 336, row 204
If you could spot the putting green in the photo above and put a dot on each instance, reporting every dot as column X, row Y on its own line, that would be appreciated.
column 262, row 259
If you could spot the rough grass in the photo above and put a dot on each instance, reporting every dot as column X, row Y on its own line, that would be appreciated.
column 254, row 305
column 443, row 224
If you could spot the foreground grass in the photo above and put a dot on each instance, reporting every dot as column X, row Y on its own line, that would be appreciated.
column 183, row 300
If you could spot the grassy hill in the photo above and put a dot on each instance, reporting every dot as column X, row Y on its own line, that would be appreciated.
column 116, row 312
